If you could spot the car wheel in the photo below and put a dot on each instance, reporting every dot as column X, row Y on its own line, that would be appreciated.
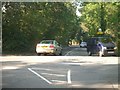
column 41, row 54
column 38, row 54
column 60, row 53
column 54, row 54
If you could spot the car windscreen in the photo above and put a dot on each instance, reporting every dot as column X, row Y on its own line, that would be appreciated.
column 47, row 42
column 106, row 40
column 95, row 40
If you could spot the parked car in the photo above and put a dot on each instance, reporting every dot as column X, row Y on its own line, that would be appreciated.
column 101, row 46
column 48, row 47
column 83, row 44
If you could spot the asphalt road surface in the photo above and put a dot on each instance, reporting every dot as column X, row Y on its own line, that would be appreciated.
column 72, row 70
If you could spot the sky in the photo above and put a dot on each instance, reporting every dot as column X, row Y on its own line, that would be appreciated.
column 79, row 6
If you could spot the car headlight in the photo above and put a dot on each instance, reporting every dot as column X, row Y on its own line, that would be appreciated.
column 115, row 47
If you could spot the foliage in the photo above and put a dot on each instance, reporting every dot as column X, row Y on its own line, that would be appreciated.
column 100, row 15
column 104, row 15
column 27, row 23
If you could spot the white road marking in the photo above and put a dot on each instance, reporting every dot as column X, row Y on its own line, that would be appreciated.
column 68, row 53
column 39, row 76
column 41, row 69
column 71, row 63
column 9, row 67
column 69, row 77
column 77, row 63
column 59, row 75
column 58, row 81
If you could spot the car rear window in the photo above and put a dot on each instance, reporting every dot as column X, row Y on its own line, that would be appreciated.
column 47, row 42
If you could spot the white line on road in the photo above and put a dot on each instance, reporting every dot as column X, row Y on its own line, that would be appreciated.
column 39, row 76
column 73, row 63
column 59, row 75
column 68, row 53
column 69, row 77
column 41, row 69
column 59, row 81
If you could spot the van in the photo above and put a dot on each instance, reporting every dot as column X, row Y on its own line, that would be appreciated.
column 101, row 46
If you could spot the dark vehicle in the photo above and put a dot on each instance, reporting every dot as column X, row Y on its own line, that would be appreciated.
column 101, row 46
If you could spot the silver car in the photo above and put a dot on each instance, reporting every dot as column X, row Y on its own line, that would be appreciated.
column 83, row 44
column 48, row 47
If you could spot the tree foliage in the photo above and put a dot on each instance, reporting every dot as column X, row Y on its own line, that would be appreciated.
column 24, row 24
column 27, row 23
column 102, row 15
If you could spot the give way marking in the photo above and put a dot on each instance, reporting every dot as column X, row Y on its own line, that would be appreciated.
column 48, row 81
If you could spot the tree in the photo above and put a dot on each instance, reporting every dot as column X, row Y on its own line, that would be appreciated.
column 104, row 15
column 27, row 23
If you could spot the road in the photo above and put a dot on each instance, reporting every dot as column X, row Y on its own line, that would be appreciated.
column 72, row 70
column 74, row 51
